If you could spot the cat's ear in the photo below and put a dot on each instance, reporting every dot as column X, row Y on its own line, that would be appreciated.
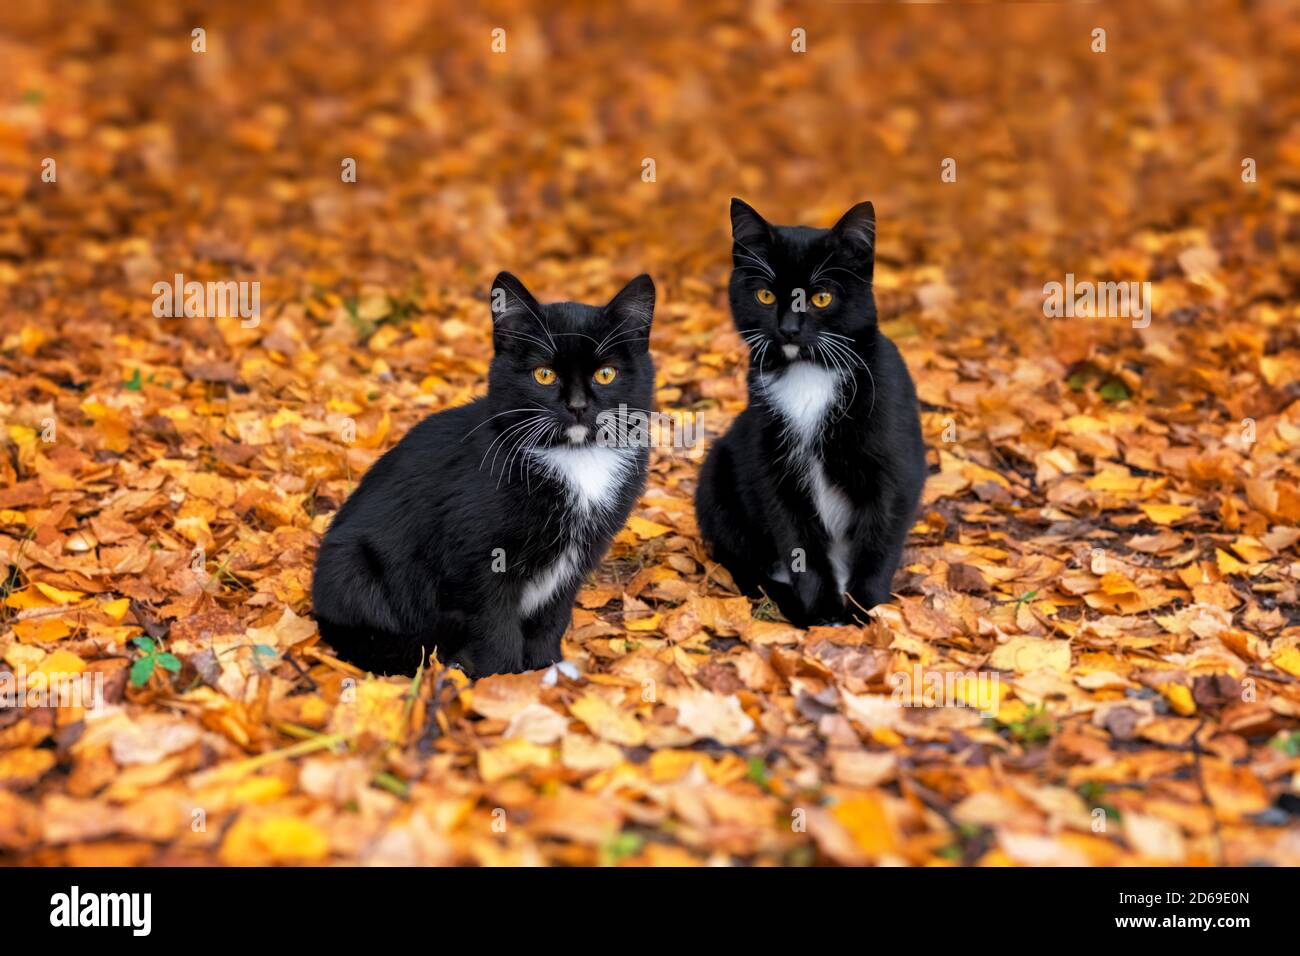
column 857, row 229
column 629, row 314
column 513, row 310
column 749, row 230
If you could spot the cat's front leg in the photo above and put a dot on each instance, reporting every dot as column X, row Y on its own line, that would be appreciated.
column 497, row 646
column 820, row 603
column 877, row 550
column 545, row 629
column 798, row 582
column 797, row 589
column 808, row 586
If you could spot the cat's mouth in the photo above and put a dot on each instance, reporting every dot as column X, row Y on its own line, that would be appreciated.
column 577, row 434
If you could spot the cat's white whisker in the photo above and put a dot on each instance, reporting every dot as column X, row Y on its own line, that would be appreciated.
column 512, row 333
column 850, row 272
column 513, row 429
column 753, row 257
column 865, row 367
column 631, row 335
column 540, row 320
column 825, row 350
column 536, row 439
column 508, row 411
column 632, row 313
column 520, row 441
column 500, row 435
column 812, row 280
column 589, row 338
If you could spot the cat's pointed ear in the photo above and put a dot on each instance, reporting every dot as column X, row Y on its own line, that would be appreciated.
column 629, row 314
column 857, row 228
column 749, row 230
column 513, row 309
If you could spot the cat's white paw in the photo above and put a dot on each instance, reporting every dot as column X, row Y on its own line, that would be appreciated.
column 552, row 675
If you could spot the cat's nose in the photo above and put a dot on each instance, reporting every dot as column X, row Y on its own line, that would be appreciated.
column 577, row 404
column 789, row 327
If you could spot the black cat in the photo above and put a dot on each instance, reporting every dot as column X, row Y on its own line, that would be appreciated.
column 810, row 493
column 473, row 533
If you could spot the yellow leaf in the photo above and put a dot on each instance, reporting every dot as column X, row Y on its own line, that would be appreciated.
column 60, row 662
column 1180, row 699
column 1115, row 583
column 28, row 599
column 665, row 766
column 40, row 629
column 117, row 609
column 289, row 629
column 608, row 722
column 1168, row 514
column 23, row 436
column 648, row 623
column 1287, row 659
column 1025, row 654
column 595, row 597
column 22, row 768
column 30, row 338
column 1227, row 563
column 343, row 407
column 1012, row 712
column 378, row 708
column 1251, row 550
column 258, row 790
column 645, row 530
column 57, row 595
column 510, row 757
column 887, row 736
column 276, row 839
column 868, row 823
column 23, row 656
column 376, row 437
column 983, row 695
column 110, row 423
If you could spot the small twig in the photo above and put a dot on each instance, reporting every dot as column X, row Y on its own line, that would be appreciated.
column 233, row 771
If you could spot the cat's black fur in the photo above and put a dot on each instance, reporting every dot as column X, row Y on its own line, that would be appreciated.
column 755, row 501
column 452, row 529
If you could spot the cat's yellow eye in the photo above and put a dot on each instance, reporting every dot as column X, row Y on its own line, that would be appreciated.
column 605, row 374
column 544, row 375
column 821, row 299
column 766, row 296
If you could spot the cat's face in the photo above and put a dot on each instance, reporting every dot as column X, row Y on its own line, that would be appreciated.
column 564, row 373
column 802, row 294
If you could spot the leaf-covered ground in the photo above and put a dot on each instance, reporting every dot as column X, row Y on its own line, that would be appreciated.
column 1103, row 579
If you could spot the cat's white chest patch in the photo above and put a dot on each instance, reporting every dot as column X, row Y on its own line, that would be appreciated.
column 539, row 588
column 836, row 514
column 802, row 395
column 591, row 474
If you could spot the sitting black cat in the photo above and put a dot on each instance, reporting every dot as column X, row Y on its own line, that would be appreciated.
column 810, row 494
column 473, row 533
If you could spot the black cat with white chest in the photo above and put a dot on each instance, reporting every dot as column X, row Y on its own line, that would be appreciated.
column 474, row 532
column 810, row 494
